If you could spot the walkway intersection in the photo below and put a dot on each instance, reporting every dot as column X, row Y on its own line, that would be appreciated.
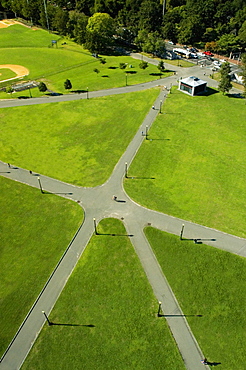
column 97, row 203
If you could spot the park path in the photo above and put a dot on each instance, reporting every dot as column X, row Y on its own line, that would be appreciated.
column 97, row 203
column 194, row 70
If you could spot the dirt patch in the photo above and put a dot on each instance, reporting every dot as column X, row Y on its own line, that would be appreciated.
column 8, row 22
column 19, row 70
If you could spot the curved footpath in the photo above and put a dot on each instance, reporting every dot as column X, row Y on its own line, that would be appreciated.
column 168, row 81
column 97, row 203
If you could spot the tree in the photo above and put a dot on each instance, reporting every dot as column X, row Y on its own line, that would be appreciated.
column 242, row 33
column 122, row 65
column 99, row 33
column 102, row 60
column 67, row 84
column 96, row 70
column 76, row 26
column 228, row 43
column 143, row 65
column 42, row 87
column 60, row 20
column 150, row 15
column 161, row 66
column 212, row 46
column 244, row 73
column 9, row 90
column 225, row 80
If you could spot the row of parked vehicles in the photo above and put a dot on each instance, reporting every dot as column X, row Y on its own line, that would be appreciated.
column 193, row 53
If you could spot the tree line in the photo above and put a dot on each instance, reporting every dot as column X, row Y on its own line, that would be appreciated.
column 217, row 25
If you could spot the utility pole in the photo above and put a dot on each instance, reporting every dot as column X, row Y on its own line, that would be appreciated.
column 47, row 21
column 163, row 7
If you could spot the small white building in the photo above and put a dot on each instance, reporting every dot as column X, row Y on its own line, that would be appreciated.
column 192, row 85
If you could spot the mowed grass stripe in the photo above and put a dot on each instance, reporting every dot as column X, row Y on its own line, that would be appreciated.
column 198, row 159
column 78, row 142
column 108, row 289
column 211, row 283
column 35, row 231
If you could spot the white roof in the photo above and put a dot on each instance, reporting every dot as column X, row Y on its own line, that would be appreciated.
column 192, row 81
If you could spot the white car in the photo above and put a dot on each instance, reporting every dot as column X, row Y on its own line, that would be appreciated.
column 193, row 55
column 216, row 63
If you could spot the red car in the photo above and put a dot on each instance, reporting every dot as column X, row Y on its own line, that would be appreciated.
column 208, row 53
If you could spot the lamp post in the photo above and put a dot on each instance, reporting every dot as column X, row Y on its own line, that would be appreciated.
column 159, row 309
column 170, row 88
column 48, row 321
column 95, row 226
column 126, row 79
column 160, row 105
column 126, row 175
column 146, row 133
column 87, row 92
column 181, row 233
column 40, row 185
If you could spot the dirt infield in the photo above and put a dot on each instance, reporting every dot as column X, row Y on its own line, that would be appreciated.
column 8, row 22
column 19, row 70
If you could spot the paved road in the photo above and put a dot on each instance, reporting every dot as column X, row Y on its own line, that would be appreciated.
column 97, row 203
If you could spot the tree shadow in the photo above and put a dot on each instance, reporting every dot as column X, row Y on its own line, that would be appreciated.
column 131, row 72
column 5, row 172
column 236, row 96
column 158, row 74
column 78, row 91
column 23, row 97
column 54, row 94
column 112, row 67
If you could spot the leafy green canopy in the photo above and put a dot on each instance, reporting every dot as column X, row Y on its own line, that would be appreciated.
column 99, row 32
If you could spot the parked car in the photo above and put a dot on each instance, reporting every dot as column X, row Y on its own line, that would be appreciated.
column 170, row 42
column 193, row 56
column 216, row 62
column 208, row 53
column 193, row 50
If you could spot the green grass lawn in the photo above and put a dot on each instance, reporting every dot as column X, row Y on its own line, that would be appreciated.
column 6, row 73
column 108, row 289
column 211, row 283
column 197, row 156
column 32, row 49
column 78, row 142
column 20, row 36
column 32, row 242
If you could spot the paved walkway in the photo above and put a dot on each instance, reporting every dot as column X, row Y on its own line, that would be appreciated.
column 97, row 203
